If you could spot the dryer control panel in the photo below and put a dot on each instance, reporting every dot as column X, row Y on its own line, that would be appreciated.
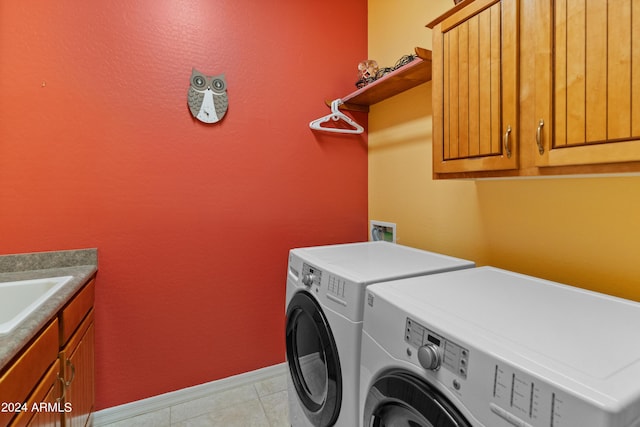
column 453, row 356
column 311, row 275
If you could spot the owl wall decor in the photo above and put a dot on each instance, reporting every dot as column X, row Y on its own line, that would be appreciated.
column 207, row 97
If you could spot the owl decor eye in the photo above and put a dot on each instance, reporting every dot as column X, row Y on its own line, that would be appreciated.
column 207, row 97
column 199, row 82
column 218, row 84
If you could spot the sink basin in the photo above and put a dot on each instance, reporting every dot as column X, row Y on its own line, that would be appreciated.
column 21, row 298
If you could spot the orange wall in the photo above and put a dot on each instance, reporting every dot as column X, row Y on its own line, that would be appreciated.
column 193, row 222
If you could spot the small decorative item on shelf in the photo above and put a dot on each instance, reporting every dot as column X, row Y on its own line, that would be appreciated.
column 369, row 71
column 457, row 1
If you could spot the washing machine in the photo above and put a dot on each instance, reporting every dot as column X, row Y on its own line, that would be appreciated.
column 490, row 348
column 324, row 304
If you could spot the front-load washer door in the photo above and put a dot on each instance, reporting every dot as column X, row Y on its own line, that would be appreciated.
column 401, row 399
column 313, row 360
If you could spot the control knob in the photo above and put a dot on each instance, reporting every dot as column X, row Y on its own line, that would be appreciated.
column 429, row 357
column 308, row 279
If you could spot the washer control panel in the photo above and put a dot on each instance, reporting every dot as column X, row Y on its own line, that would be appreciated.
column 451, row 355
column 311, row 275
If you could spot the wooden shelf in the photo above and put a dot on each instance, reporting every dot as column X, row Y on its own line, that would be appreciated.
column 406, row 77
column 456, row 8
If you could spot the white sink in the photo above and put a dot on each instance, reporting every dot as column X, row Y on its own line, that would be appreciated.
column 21, row 298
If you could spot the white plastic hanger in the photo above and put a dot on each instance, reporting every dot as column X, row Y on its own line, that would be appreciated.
column 336, row 115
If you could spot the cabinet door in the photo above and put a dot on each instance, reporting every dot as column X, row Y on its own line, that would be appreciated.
column 587, row 82
column 475, row 88
column 78, row 366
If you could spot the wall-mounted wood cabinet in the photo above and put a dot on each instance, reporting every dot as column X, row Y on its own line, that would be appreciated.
column 587, row 82
column 475, row 91
column 567, row 75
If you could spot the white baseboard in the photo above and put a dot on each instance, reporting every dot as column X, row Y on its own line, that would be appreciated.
column 162, row 401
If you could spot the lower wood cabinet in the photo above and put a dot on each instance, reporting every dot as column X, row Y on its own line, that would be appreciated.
column 52, row 381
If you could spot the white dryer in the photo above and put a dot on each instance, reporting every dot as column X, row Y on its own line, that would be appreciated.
column 489, row 348
column 324, row 303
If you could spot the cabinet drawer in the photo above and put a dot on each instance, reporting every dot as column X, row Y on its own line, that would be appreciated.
column 48, row 391
column 75, row 311
column 18, row 381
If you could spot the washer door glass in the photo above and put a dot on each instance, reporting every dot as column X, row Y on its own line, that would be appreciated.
column 401, row 399
column 313, row 360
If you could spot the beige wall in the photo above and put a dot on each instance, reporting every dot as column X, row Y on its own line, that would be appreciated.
column 581, row 231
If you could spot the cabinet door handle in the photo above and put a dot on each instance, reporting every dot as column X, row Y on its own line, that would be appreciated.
column 507, row 148
column 64, row 389
column 73, row 372
column 539, row 137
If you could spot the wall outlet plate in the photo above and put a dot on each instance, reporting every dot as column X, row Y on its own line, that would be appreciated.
column 380, row 230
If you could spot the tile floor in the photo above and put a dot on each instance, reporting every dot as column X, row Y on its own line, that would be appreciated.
column 261, row 404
